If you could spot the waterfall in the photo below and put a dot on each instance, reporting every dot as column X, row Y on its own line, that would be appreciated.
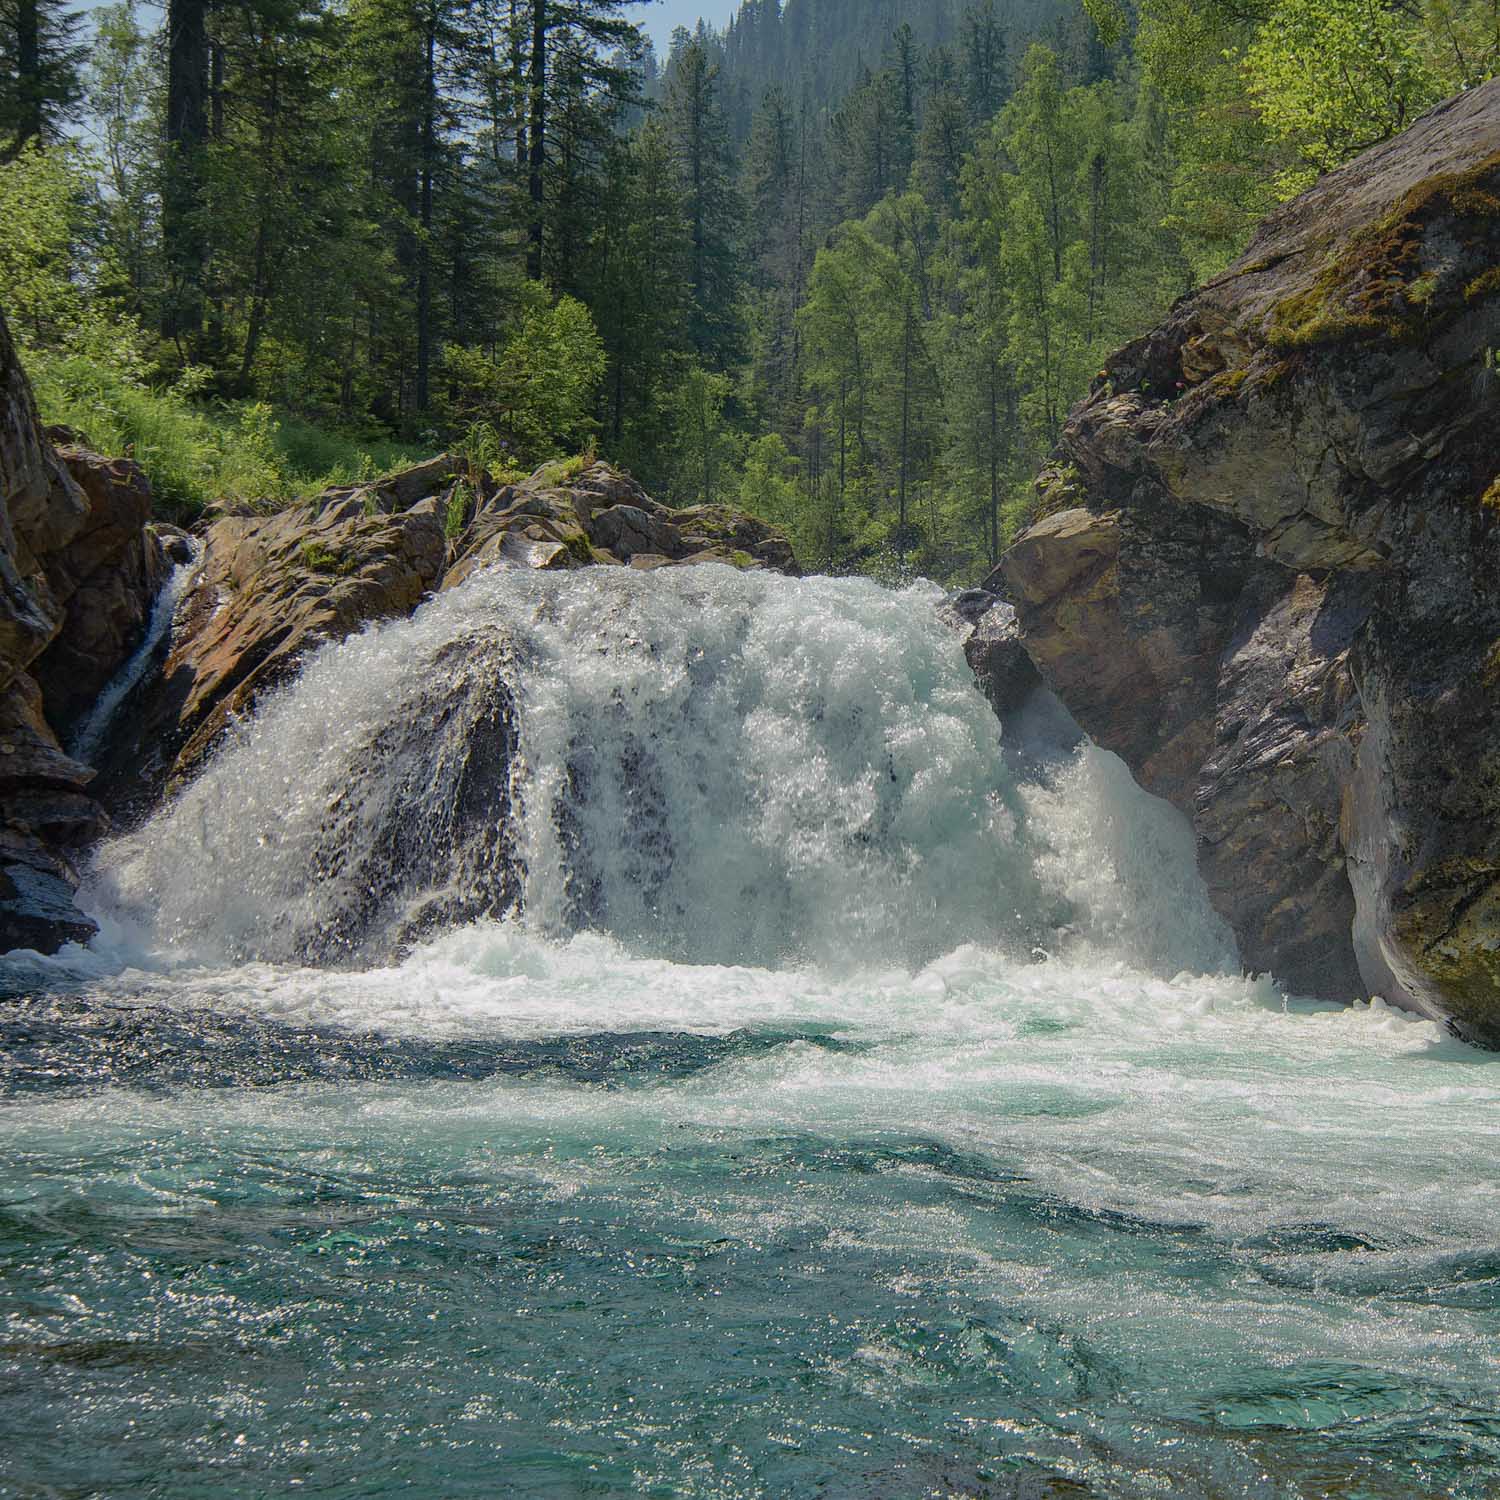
column 90, row 733
column 670, row 1030
column 704, row 765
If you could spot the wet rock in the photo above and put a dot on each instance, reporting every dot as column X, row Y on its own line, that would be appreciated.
column 602, row 517
column 1277, row 594
column 108, row 576
column 78, row 573
column 992, row 646
column 270, row 590
column 996, row 655
column 37, row 887
column 1269, row 796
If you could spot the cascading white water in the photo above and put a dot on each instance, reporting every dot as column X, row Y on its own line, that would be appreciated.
column 90, row 733
column 709, row 766
column 657, row 1027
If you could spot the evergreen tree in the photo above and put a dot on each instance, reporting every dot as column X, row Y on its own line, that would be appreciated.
column 984, row 44
column 40, row 72
column 695, row 126
column 184, row 236
column 639, row 285
column 600, row 45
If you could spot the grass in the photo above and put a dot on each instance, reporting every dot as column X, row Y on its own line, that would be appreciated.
column 564, row 470
column 199, row 457
column 317, row 557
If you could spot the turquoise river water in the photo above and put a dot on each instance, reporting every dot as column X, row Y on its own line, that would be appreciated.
column 865, row 1104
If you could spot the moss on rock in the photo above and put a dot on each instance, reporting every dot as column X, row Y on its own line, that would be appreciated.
column 1389, row 281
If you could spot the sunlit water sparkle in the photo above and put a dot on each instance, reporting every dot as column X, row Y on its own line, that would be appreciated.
column 610, row 1202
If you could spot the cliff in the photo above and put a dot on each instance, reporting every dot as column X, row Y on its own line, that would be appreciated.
column 79, row 567
column 1267, row 574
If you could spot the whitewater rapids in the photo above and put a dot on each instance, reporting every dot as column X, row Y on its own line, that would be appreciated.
column 619, row 1035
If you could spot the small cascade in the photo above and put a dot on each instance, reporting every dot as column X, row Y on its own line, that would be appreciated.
column 88, row 738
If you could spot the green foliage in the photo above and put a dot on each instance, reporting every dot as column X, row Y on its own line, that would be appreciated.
column 536, row 397
column 200, row 457
column 40, row 61
column 707, row 449
column 318, row 557
column 565, row 470
column 456, row 512
column 59, row 277
column 851, row 272
column 771, row 488
column 1332, row 77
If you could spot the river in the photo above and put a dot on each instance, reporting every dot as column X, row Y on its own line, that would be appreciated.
column 624, row 1035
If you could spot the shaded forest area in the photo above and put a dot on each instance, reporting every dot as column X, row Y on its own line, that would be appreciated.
column 845, row 264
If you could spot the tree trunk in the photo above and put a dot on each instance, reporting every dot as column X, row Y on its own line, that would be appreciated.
column 994, row 465
column 905, row 434
column 260, row 280
column 29, row 85
column 257, row 309
column 424, row 246
column 518, row 86
column 537, row 144
column 187, row 130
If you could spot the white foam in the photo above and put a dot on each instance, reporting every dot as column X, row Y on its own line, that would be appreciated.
column 713, row 767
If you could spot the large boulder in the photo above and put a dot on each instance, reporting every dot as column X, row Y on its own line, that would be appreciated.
column 1276, row 592
column 993, row 648
column 600, row 516
column 41, row 510
column 109, row 575
column 268, row 591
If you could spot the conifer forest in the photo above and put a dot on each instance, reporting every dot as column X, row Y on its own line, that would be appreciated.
column 845, row 263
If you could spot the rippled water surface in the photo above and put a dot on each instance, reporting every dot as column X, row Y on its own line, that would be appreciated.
column 991, row 1229
column 947, row 1156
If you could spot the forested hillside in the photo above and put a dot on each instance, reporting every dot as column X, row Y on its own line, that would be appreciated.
column 847, row 264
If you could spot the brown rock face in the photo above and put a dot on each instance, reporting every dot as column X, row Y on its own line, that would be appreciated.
column 78, row 572
column 112, row 571
column 1279, row 596
column 43, row 510
column 271, row 589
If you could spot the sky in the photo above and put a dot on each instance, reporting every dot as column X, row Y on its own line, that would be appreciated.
column 660, row 18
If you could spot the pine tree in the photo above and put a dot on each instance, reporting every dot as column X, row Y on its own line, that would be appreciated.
column 40, row 72
column 184, row 238
column 638, row 284
column 984, row 46
column 695, row 126
column 279, row 183
column 602, row 46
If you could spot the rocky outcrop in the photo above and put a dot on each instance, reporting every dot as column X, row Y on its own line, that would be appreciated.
column 602, row 516
column 993, row 648
column 109, row 573
column 1270, row 579
column 271, row 589
column 79, row 568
